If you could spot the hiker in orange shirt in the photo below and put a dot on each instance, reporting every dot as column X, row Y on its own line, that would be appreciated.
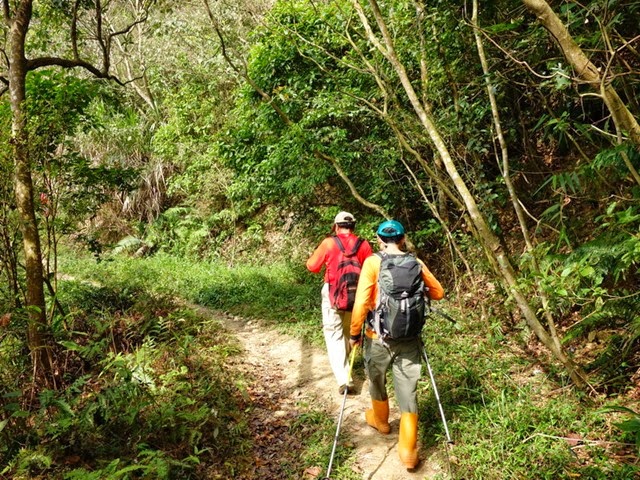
column 396, row 345
column 335, row 322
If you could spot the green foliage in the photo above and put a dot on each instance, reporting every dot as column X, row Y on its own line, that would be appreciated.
column 303, row 63
column 156, row 398
column 193, row 113
column 630, row 426
column 180, row 231
column 67, row 187
column 126, row 405
column 507, row 417
column 284, row 295
column 33, row 463
column 197, row 170
column 56, row 102
column 76, row 188
column 609, row 260
column 595, row 285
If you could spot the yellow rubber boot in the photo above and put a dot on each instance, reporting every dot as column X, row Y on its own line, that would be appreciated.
column 378, row 416
column 408, row 441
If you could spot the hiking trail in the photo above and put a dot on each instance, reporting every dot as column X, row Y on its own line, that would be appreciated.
column 298, row 372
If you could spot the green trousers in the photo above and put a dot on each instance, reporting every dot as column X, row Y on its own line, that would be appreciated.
column 404, row 358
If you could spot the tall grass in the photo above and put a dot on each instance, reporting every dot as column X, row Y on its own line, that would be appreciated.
column 511, row 418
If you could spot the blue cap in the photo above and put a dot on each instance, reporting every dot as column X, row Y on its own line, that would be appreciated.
column 390, row 228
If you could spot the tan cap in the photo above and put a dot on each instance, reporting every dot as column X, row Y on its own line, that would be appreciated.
column 344, row 217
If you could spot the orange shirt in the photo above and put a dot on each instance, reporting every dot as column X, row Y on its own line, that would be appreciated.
column 367, row 293
column 327, row 254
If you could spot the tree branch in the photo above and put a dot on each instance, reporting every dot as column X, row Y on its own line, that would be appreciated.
column 585, row 68
column 242, row 72
column 74, row 30
column 345, row 178
column 41, row 62
column 143, row 91
column 6, row 12
column 103, row 48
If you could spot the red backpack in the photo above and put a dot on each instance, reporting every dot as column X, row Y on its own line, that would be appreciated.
column 342, row 292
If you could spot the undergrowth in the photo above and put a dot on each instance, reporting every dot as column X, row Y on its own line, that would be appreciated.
column 508, row 415
column 142, row 392
column 146, row 390
column 143, row 387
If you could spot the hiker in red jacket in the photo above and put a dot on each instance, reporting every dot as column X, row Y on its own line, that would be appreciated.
column 335, row 323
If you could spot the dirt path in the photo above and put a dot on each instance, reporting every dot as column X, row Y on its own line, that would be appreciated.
column 302, row 373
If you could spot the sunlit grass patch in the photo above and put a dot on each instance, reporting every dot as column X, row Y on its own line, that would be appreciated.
column 508, row 416
column 279, row 294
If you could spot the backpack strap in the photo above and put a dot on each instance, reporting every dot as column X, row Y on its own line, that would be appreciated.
column 374, row 319
column 356, row 247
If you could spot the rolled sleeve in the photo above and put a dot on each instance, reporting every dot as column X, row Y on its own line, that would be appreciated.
column 319, row 256
column 436, row 292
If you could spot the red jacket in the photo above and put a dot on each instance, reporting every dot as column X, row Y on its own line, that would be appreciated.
column 327, row 254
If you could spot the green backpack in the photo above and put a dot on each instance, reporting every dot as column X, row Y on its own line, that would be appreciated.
column 401, row 306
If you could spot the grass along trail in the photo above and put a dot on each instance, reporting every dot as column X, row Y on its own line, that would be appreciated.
column 296, row 372
column 511, row 414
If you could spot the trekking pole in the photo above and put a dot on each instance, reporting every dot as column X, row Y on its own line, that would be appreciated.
column 344, row 401
column 435, row 391
column 429, row 309
column 439, row 312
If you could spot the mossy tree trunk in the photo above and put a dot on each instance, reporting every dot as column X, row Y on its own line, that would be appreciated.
column 17, row 18
column 23, row 185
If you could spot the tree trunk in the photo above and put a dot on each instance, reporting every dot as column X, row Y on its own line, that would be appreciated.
column 37, row 328
column 490, row 241
column 584, row 68
column 10, row 261
column 506, row 175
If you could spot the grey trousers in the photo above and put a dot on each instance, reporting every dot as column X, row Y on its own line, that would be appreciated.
column 404, row 358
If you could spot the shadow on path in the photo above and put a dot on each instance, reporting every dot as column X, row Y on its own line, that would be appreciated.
column 306, row 375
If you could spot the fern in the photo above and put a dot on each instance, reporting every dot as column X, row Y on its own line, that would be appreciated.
column 613, row 313
column 633, row 336
column 127, row 244
column 611, row 162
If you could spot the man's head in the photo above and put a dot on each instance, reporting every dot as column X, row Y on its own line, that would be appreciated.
column 344, row 220
column 390, row 231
